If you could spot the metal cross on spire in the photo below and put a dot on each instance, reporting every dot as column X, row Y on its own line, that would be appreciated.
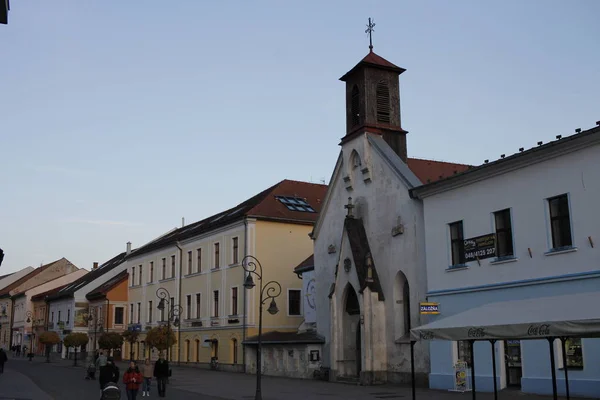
column 370, row 30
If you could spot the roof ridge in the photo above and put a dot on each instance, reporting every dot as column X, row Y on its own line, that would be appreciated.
column 439, row 161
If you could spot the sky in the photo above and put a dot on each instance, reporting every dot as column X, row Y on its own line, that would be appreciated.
column 118, row 118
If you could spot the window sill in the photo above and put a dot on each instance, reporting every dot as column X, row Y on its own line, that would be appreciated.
column 458, row 267
column 237, row 264
column 193, row 274
column 503, row 260
column 560, row 250
column 166, row 280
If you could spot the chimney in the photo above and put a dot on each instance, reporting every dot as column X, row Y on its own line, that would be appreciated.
column 128, row 248
column 95, row 267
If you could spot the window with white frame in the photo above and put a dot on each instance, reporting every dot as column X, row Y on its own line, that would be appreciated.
column 172, row 266
column 189, row 266
column 150, row 310
column 139, row 312
column 504, row 237
column 151, row 272
column 560, row 221
column 457, row 243
column 198, row 303
column 131, row 313
column 164, row 269
column 199, row 260
column 132, row 276
column 234, row 301
column 294, row 302
column 188, row 306
column 215, row 312
column 140, row 272
column 217, row 254
column 119, row 316
column 234, row 251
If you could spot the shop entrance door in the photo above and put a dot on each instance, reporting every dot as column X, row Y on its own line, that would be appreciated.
column 512, row 357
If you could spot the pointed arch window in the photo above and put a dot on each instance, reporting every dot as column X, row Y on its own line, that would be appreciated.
column 383, row 102
column 355, row 106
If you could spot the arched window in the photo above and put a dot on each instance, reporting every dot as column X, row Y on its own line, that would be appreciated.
column 187, row 351
column 197, row 350
column 234, row 351
column 355, row 160
column 383, row 102
column 355, row 106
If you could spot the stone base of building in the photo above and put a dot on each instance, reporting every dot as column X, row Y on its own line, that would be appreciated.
column 372, row 378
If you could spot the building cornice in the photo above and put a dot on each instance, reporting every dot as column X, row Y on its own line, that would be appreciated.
column 517, row 161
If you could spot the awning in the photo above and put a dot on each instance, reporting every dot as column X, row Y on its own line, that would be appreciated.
column 568, row 315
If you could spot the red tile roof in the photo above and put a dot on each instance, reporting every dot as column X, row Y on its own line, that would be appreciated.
column 374, row 60
column 430, row 171
column 264, row 205
column 306, row 265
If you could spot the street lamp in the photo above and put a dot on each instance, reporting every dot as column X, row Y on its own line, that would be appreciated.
column 28, row 314
column 173, row 314
column 93, row 316
column 268, row 291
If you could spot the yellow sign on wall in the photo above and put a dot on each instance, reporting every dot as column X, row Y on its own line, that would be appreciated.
column 430, row 308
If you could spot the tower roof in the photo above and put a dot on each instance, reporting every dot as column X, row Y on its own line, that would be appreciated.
column 376, row 61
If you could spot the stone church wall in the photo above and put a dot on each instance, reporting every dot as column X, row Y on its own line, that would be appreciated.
column 292, row 361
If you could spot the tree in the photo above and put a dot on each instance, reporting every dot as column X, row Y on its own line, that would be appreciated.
column 130, row 337
column 110, row 341
column 76, row 340
column 49, row 339
column 161, row 338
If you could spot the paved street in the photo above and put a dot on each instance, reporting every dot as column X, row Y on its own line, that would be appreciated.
column 61, row 381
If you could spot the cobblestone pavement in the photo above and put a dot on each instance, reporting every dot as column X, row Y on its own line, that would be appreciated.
column 62, row 381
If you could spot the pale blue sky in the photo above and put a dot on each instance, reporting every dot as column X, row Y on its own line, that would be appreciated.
column 117, row 118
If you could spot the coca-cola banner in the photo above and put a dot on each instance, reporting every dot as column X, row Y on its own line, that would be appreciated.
column 519, row 319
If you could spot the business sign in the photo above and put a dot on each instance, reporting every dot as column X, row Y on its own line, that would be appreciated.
column 430, row 308
column 135, row 327
column 460, row 376
column 480, row 247
column 309, row 291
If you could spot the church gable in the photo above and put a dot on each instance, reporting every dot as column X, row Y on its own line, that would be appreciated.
column 362, row 257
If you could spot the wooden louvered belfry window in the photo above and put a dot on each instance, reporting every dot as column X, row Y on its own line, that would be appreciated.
column 383, row 102
column 355, row 106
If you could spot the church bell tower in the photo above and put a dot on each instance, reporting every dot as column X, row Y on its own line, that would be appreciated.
column 373, row 100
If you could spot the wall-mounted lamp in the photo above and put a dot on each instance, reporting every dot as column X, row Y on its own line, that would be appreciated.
column 529, row 250
column 591, row 241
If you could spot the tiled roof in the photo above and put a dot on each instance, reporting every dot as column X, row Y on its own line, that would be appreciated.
column 375, row 60
column 430, row 171
column 42, row 296
column 70, row 289
column 103, row 289
column 306, row 265
column 5, row 292
column 5, row 276
column 276, row 337
column 264, row 205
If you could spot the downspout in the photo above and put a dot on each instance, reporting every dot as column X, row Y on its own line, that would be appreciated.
column 179, row 302
column 245, row 296
column 12, row 319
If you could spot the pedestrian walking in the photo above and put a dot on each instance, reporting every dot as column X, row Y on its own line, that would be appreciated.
column 101, row 360
column 3, row 359
column 161, row 373
column 132, row 378
column 109, row 373
column 147, row 372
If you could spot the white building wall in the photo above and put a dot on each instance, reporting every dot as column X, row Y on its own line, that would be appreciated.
column 524, row 191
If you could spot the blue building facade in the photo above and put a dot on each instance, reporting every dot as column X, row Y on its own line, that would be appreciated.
column 530, row 371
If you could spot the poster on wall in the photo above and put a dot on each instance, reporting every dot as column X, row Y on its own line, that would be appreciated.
column 480, row 247
column 309, row 292
column 460, row 376
column 81, row 314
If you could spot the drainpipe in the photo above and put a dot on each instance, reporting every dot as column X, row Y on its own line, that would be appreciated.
column 12, row 319
column 245, row 296
column 179, row 302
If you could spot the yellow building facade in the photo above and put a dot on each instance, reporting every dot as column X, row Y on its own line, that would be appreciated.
column 200, row 266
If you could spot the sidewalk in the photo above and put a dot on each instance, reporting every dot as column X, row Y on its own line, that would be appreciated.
column 16, row 386
column 238, row 386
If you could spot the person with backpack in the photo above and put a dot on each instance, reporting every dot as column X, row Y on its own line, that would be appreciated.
column 132, row 378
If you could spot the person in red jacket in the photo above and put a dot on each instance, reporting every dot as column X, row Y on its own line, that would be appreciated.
column 132, row 378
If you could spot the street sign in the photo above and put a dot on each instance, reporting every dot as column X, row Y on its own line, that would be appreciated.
column 430, row 308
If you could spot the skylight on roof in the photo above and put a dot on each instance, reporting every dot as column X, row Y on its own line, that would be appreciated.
column 295, row 204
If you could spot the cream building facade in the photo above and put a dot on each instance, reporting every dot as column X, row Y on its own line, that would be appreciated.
column 200, row 265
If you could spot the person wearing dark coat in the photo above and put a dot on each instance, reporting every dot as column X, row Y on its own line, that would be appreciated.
column 3, row 359
column 108, row 373
column 161, row 373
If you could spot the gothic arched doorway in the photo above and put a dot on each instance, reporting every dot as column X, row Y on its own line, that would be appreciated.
column 352, row 343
